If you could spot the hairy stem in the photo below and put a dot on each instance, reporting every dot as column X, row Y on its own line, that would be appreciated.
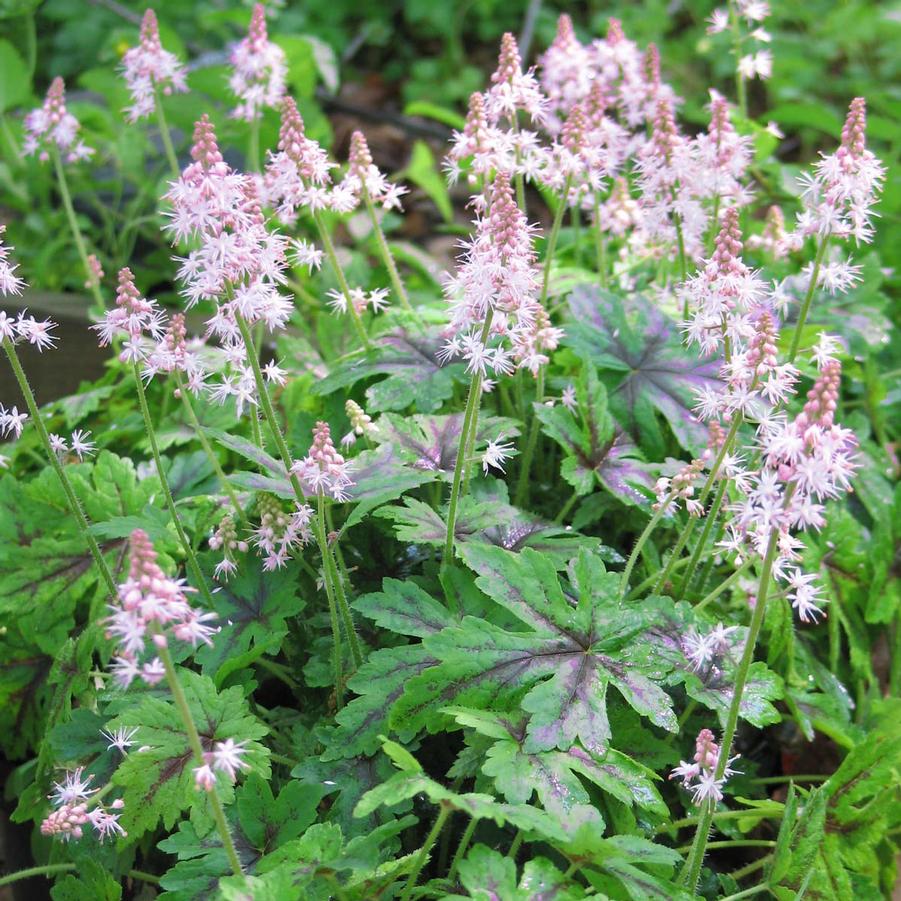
column 73, row 225
column 472, row 403
column 633, row 557
column 334, row 590
column 465, row 839
column 701, row 544
column 692, row 869
column 181, row 704
column 423, row 854
column 388, row 257
column 522, row 488
column 190, row 557
column 166, row 135
column 188, row 404
column 808, row 297
column 342, row 281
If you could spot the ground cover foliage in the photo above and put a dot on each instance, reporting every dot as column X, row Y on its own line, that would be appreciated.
column 519, row 523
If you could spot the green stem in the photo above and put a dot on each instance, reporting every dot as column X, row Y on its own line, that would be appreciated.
column 651, row 579
column 465, row 839
column 567, row 507
column 205, row 444
column 633, row 557
column 552, row 238
column 254, row 154
column 333, row 585
column 515, row 845
column 728, row 583
column 181, row 704
column 48, row 869
column 522, row 489
column 191, row 559
column 59, row 469
column 702, row 497
column 752, row 867
column 73, row 225
column 388, row 257
column 762, row 813
column 322, row 541
column 808, row 297
column 472, row 403
column 166, row 135
column 749, row 892
column 692, row 869
column 340, row 596
column 737, row 843
column 342, row 281
column 701, row 543
column 600, row 242
column 423, row 854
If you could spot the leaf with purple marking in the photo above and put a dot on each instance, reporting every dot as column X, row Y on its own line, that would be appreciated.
column 712, row 683
column 415, row 375
column 596, row 450
column 404, row 608
column 581, row 639
column 555, row 775
column 431, row 443
column 646, row 369
column 491, row 521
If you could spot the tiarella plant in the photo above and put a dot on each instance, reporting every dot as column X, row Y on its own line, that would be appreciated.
column 591, row 599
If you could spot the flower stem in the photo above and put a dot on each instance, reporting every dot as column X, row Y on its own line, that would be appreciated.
column 633, row 557
column 191, row 559
column 205, row 444
column 166, row 135
column 701, row 544
column 322, row 541
column 59, row 469
column 254, row 153
column 388, row 257
column 48, row 869
column 423, row 854
column 808, row 297
column 740, row 87
column 702, row 497
column 73, row 225
column 338, row 584
column 342, row 281
column 727, row 583
column 522, row 489
column 181, row 704
column 600, row 242
column 552, row 238
column 692, row 869
column 472, row 403
column 333, row 586
column 465, row 839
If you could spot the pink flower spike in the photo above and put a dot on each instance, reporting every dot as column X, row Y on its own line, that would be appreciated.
column 260, row 69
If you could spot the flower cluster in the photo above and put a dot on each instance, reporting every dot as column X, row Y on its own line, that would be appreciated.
column 52, row 128
column 838, row 197
column 74, row 809
column 149, row 69
column 139, row 320
column 795, row 463
column 151, row 607
column 280, row 533
column 699, row 775
column 494, row 292
column 361, row 424
column 239, row 262
column 324, row 470
column 260, row 68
